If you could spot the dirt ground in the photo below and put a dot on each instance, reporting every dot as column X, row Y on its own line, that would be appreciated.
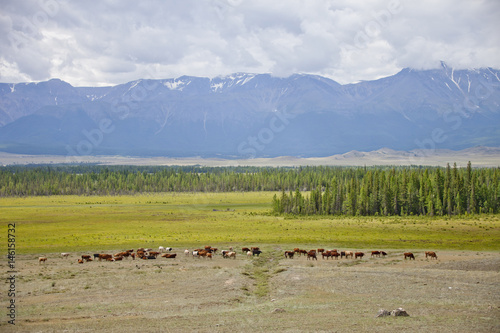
column 459, row 292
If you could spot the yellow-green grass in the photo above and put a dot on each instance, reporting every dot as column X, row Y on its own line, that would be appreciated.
column 82, row 223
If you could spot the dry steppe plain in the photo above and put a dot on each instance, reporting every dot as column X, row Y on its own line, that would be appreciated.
column 458, row 292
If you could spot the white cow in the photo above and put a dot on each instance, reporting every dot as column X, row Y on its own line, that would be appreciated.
column 186, row 252
column 64, row 255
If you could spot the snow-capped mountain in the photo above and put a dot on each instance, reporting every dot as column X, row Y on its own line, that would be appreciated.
column 248, row 115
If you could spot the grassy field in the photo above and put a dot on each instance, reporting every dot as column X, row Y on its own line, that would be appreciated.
column 77, row 223
column 456, row 293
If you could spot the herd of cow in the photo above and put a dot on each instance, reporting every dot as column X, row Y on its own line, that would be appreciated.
column 209, row 252
column 313, row 254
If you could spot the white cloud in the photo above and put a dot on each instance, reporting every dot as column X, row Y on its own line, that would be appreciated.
column 110, row 42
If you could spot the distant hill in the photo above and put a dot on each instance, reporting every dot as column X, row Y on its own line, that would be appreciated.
column 254, row 115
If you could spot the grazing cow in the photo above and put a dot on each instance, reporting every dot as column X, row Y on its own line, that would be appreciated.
column 214, row 250
column 256, row 252
column 349, row 254
column 249, row 254
column 358, row 255
column 169, row 255
column 133, row 256
column 297, row 250
column 118, row 258
column 245, row 249
column 96, row 255
column 326, row 254
column 85, row 257
column 80, row 261
column 255, row 249
column 321, row 250
column 409, row 255
column 342, row 254
column 153, row 253
column 312, row 255
column 140, row 249
column 231, row 254
column 383, row 253
column 289, row 254
column 110, row 259
column 202, row 253
column 161, row 249
column 105, row 257
column 431, row 254
column 375, row 253
column 64, row 254
column 224, row 252
column 195, row 254
column 186, row 252
column 42, row 259
column 209, row 255
column 335, row 254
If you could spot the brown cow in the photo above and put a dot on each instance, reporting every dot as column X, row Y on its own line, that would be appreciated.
column 297, row 250
column 105, row 256
column 431, row 254
column 312, row 255
column 289, row 254
column 321, row 250
column 375, row 253
column 169, row 255
column 358, row 255
column 118, row 258
column 335, row 254
column 153, row 253
column 409, row 255
column 80, row 261
column 85, row 257
column 326, row 254
column 302, row 252
column 245, row 249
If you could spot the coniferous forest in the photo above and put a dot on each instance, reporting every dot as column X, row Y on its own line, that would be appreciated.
column 304, row 190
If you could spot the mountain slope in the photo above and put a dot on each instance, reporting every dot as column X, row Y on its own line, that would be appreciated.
column 252, row 115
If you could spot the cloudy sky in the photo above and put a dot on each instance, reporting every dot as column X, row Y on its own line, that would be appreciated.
column 95, row 43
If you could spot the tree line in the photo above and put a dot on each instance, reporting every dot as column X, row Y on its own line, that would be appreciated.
column 403, row 191
column 304, row 190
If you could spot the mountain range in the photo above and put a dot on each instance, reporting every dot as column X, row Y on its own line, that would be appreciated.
column 254, row 115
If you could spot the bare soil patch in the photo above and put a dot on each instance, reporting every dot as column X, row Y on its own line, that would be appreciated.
column 459, row 292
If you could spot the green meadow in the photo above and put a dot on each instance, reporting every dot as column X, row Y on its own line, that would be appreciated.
column 49, row 224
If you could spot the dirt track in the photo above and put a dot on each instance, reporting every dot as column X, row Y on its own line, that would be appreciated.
column 459, row 292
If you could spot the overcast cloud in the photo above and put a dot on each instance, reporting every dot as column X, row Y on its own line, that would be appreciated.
column 95, row 43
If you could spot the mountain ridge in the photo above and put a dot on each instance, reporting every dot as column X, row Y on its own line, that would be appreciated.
column 245, row 115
